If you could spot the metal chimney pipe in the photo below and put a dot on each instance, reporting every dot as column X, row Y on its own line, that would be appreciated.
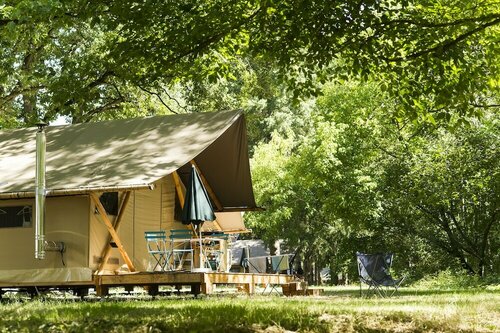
column 40, row 192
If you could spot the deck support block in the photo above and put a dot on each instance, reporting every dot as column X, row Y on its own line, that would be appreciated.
column 152, row 289
column 195, row 289
column 101, row 290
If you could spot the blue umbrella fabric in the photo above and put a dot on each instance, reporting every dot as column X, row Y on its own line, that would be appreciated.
column 197, row 206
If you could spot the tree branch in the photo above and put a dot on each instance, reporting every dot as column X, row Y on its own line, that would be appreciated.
column 173, row 99
column 19, row 91
column 455, row 248
column 427, row 24
column 447, row 44
column 159, row 97
column 102, row 79
column 485, row 106
column 113, row 104
column 201, row 45
column 484, row 240
column 470, row 248
column 382, row 149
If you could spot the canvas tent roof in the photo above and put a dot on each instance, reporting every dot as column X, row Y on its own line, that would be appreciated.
column 229, row 222
column 132, row 153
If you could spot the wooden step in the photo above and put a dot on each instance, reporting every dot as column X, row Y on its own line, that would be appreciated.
column 300, row 288
column 314, row 292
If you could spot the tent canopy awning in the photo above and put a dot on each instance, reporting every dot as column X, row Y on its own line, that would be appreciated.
column 228, row 222
column 132, row 154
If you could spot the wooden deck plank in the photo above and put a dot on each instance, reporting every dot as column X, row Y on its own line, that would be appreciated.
column 151, row 278
column 204, row 280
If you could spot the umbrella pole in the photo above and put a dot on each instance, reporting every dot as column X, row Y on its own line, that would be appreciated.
column 201, row 249
column 201, row 266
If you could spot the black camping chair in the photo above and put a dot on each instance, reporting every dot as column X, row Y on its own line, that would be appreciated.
column 374, row 271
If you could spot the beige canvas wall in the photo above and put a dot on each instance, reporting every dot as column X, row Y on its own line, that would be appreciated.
column 148, row 210
column 66, row 221
column 73, row 220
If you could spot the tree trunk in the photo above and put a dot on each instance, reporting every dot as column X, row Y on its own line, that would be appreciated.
column 455, row 247
column 317, row 273
column 307, row 271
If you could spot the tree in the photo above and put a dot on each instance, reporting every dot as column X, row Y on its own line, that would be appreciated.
column 318, row 189
column 358, row 181
column 450, row 184
column 86, row 58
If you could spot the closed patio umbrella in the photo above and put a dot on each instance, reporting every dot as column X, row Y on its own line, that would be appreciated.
column 197, row 206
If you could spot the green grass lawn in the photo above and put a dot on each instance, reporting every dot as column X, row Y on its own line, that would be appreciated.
column 339, row 310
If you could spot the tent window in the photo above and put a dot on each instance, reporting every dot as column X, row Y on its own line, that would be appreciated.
column 16, row 216
column 109, row 200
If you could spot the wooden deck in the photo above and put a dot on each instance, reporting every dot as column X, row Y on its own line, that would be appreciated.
column 199, row 282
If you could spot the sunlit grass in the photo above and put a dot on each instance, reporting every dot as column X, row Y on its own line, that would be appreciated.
column 339, row 310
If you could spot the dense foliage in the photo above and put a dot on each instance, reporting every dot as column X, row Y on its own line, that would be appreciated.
column 98, row 59
column 372, row 165
column 357, row 181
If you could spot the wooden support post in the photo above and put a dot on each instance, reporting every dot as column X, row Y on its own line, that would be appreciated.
column 112, row 231
column 178, row 188
column 207, row 287
column 180, row 193
column 250, row 287
column 100, row 290
column 210, row 191
column 106, row 252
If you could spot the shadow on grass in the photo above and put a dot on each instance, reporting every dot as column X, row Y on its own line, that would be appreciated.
column 159, row 316
column 353, row 292
column 341, row 310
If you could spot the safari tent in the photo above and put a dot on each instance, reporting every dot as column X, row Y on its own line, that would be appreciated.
column 109, row 182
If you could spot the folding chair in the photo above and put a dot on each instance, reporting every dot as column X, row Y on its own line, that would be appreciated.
column 257, row 264
column 157, row 248
column 374, row 271
column 279, row 263
column 180, row 245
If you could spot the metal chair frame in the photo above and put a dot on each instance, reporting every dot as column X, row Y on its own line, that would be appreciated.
column 212, row 254
column 275, row 265
column 157, row 248
column 377, row 276
column 180, row 246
